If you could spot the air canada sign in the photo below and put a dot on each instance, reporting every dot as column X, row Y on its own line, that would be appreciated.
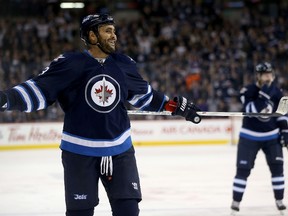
column 184, row 129
column 181, row 131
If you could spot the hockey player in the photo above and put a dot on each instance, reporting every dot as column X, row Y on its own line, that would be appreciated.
column 92, row 87
column 266, row 134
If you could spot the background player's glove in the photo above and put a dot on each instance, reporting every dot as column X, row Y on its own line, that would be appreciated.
column 182, row 107
column 3, row 101
column 284, row 138
column 267, row 91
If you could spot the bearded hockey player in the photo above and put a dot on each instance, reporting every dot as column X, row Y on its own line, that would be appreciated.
column 92, row 88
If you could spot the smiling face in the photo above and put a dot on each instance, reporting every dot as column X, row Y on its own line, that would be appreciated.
column 102, row 41
column 107, row 38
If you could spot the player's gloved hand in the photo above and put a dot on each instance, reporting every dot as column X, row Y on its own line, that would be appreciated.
column 3, row 101
column 185, row 108
column 267, row 91
column 284, row 138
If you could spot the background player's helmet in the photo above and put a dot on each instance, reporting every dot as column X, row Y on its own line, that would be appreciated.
column 92, row 22
column 264, row 68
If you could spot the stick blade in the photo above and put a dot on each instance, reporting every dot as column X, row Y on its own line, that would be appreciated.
column 283, row 106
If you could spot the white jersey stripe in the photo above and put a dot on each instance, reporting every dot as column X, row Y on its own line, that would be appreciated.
column 38, row 93
column 259, row 134
column 136, row 98
column 278, row 179
column 147, row 102
column 96, row 143
column 278, row 187
column 238, row 189
column 240, row 181
column 26, row 97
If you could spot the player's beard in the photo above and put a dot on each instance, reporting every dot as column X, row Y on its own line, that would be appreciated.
column 106, row 46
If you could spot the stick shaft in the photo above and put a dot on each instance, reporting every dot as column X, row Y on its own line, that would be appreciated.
column 282, row 109
column 201, row 113
column 239, row 114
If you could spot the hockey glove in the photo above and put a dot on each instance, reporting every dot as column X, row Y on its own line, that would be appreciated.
column 180, row 106
column 284, row 138
column 267, row 91
column 3, row 101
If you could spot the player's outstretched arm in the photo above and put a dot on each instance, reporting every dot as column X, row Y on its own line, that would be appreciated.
column 16, row 98
column 180, row 106
column 3, row 101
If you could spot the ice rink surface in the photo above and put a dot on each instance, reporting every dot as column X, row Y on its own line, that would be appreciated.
column 176, row 181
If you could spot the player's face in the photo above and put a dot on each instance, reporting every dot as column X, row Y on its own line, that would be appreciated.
column 107, row 38
column 265, row 78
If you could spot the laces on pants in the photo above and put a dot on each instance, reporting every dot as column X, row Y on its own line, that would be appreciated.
column 106, row 166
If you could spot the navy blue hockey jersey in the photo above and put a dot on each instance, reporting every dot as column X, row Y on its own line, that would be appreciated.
column 93, row 97
column 255, row 128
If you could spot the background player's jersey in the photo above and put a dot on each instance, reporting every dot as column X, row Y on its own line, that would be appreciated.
column 255, row 128
column 92, row 95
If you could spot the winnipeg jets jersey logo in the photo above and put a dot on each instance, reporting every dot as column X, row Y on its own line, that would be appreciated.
column 102, row 93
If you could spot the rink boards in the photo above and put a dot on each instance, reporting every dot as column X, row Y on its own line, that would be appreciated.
column 144, row 133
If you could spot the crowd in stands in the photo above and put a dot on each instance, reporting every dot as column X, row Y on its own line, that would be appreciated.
column 183, row 48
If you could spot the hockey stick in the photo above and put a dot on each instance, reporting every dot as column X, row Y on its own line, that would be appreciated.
column 282, row 109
